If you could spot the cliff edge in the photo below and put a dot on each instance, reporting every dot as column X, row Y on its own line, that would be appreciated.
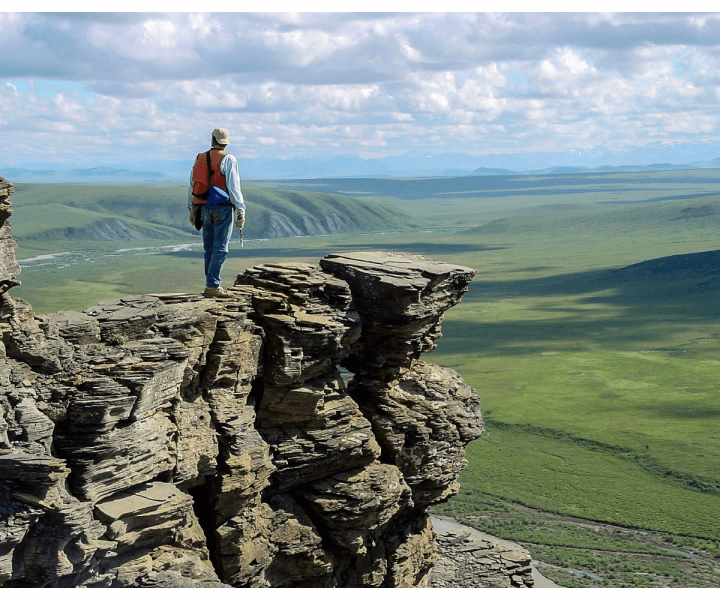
column 288, row 436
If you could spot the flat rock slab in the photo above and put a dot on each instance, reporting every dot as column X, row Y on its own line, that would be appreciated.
column 145, row 499
column 471, row 558
column 392, row 262
column 395, row 268
column 76, row 327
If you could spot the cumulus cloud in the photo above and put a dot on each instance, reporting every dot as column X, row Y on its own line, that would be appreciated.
column 368, row 83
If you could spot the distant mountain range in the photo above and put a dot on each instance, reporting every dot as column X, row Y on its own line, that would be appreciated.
column 411, row 164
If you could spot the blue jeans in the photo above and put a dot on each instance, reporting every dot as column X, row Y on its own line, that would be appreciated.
column 217, row 229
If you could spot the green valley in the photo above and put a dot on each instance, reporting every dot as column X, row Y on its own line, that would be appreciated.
column 591, row 331
column 52, row 218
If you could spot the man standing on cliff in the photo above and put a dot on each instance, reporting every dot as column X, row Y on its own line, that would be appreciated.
column 213, row 199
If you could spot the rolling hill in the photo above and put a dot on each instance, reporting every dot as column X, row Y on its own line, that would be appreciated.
column 65, row 217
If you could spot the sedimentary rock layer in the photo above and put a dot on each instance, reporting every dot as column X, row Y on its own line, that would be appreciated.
column 401, row 300
column 471, row 559
column 9, row 267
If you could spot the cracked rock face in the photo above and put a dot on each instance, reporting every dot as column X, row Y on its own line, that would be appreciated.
column 471, row 559
column 9, row 266
column 168, row 440
column 423, row 417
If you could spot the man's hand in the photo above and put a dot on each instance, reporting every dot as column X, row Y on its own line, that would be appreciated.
column 196, row 216
column 240, row 222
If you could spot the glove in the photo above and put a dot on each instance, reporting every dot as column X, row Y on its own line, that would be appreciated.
column 240, row 222
column 196, row 217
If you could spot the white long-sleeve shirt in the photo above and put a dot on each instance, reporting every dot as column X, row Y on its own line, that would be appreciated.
column 229, row 168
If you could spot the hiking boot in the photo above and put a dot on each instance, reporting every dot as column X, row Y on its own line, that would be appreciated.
column 217, row 293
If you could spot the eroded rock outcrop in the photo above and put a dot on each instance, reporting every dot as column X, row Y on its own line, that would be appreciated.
column 471, row 559
column 9, row 267
column 289, row 436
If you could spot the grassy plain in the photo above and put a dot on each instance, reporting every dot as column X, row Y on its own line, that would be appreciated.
column 599, row 379
column 592, row 332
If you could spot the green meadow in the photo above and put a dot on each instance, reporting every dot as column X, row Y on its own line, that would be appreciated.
column 591, row 331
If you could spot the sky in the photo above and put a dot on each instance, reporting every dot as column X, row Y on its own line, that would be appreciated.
column 107, row 87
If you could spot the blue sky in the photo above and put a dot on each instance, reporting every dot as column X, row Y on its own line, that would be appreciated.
column 109, row 87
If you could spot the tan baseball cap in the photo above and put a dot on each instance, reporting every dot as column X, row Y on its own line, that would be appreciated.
column 221, row 135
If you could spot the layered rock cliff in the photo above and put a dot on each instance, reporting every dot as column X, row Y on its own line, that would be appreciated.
column 289, row 436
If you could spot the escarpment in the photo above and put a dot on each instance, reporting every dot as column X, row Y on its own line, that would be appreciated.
column 288, row 436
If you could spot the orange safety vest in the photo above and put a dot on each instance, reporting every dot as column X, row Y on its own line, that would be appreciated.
column 202, row 180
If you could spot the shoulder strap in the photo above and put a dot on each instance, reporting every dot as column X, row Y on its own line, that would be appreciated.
column 210, row 171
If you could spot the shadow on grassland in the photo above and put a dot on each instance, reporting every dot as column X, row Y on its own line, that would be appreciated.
column 527, row 337
column 413, row 248
column 687, row 278
column 641, row 303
